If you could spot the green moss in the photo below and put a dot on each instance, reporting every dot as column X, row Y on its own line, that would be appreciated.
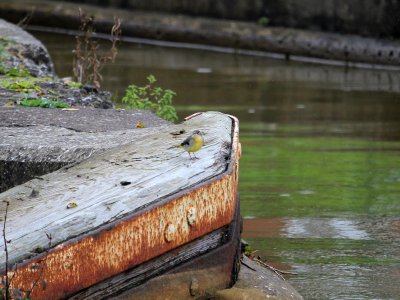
column 3, row 69
column 3, row 47
column 24, row 86
column 74, row 84
column 17, row 72
column 4, row 54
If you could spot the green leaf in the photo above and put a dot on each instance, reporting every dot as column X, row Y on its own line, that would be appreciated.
column 151, row 98
column 151, row 79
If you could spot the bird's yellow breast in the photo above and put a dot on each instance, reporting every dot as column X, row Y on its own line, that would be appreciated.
column 197, row 143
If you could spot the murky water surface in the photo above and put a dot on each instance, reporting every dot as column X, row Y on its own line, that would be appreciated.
column 320, row 171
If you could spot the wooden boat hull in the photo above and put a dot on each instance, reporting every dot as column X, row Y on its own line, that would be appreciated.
column 138, row 237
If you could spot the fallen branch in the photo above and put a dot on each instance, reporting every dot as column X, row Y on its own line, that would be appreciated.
column 41, row 267
column 244, row 264
column 275, row 270
column 246, row 250
column 8, row 293
column 7, row 279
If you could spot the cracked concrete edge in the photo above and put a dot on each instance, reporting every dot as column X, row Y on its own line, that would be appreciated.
column 35, row 141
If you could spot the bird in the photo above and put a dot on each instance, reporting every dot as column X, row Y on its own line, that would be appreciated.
column 193, row 143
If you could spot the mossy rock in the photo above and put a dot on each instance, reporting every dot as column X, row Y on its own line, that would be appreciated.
column 27, row 75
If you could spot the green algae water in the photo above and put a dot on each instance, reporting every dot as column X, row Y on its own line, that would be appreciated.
column 320, row 170
column 327, row 209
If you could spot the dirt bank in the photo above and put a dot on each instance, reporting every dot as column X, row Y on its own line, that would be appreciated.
column 290, row 43
column 378, row 18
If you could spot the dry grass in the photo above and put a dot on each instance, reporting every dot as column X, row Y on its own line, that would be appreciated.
column 88, row 62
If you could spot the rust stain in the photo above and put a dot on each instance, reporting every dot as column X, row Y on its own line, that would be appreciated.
column 77, row 264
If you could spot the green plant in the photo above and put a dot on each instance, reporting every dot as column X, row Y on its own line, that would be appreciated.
column 42, row 102
column 152, row 98
column 247, row 250
column 263, row 21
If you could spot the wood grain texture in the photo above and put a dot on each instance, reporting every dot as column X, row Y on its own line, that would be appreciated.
column 151, row 164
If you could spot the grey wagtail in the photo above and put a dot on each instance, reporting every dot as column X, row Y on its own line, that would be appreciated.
column 193, row 143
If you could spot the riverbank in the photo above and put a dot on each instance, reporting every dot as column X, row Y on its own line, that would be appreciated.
column 314, row 46
column 377, row 18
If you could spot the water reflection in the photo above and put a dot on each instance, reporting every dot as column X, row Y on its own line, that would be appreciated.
column 334, row 228
column 320, row 175
column 343, row 259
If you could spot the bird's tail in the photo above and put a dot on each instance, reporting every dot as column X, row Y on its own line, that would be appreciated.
column 178, row 146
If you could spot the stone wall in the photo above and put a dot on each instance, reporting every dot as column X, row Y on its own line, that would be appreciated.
column 378, row 18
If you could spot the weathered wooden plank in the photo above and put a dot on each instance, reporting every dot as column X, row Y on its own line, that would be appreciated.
column 153, row 166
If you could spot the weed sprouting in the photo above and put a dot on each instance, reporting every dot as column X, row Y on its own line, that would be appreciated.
column 87, row 63
column 151, row 98
column 7, row 292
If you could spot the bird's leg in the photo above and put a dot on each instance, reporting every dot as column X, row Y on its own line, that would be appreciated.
column 195, row 157
column 190, row 155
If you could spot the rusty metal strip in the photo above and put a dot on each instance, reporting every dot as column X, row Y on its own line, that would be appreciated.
column 119, row 246
column 215, row 249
